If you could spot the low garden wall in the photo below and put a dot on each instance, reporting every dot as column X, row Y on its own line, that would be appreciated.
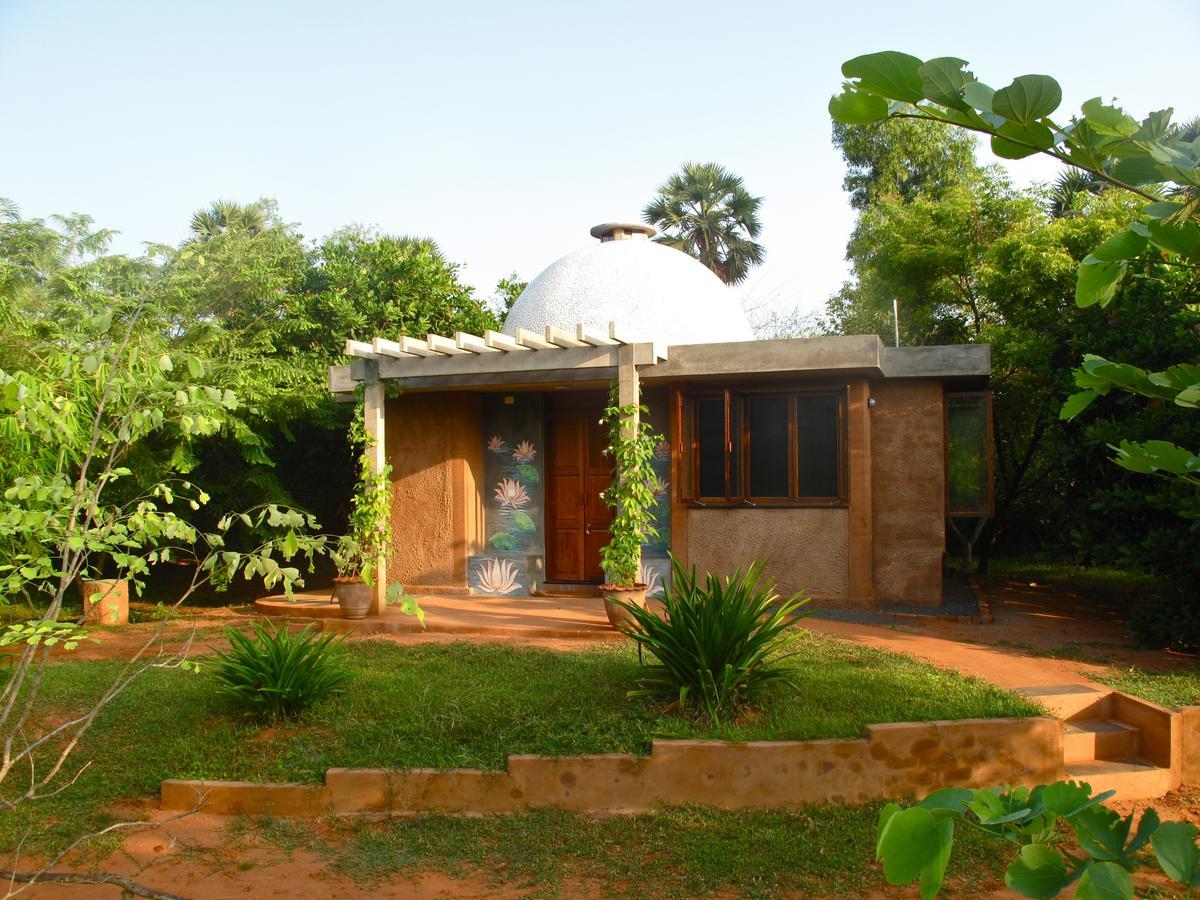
column 1189, row 717
column 895, row 760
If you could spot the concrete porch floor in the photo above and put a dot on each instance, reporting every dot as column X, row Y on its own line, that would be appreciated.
column 560, row 617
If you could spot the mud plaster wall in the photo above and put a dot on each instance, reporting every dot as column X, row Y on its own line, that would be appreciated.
column 1189, row 722
column 908, row 491
column 900, row 760
column 805, row 549
column 435, row 448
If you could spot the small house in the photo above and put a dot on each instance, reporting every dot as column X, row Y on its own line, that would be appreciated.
column 835, row 460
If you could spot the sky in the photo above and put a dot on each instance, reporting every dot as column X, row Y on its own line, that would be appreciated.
column 506, row 130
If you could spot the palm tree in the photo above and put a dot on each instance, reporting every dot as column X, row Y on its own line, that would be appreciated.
column 227, row 215
column 1067, row 187
column 706, row 211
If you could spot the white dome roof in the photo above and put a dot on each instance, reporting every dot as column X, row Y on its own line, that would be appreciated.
column 652, row 292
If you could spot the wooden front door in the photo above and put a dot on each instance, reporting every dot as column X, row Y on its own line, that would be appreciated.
column 577, row 518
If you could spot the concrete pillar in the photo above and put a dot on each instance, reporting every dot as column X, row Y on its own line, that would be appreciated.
column 860, row 555
column 628, row 394
column 374, row 416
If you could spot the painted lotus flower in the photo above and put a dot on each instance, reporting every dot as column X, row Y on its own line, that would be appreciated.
column 648, row 575
column 524, row 452
column 497, row 576
column 662, row 450
column 497, row 444
column 511, row 493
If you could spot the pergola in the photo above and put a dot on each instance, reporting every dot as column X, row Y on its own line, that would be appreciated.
column 465, row 360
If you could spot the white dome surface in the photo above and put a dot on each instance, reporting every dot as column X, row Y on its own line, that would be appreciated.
column 652, row 292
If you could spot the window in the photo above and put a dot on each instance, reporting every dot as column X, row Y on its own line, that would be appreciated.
column 764, row 447
column 969, row 454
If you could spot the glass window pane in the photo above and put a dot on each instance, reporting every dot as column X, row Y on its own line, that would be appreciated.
column 968, row 455
column 817, row 444
column 735, row 450
column 767, row 418
column 710, row 438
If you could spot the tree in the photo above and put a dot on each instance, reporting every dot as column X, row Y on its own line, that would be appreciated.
column 706, row 211
column 83, row 410
column 223, row 216
column 1068, row 188
column 1151, row 257
column 899, row 159
column 508, row 289
column 1138, row 157
column 929, row 254
column 365, row 285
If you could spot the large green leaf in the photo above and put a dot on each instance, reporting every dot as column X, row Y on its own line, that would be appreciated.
column 1174, row 844
column 1028, row 98
column 1064, row 798
column 1077, row 403
column 890, row 74
column 1110, row 120
column 1123, row 245
column 909, row 842
column 1148, row 457
column 953, row 799
column 1037, row 872
column 943, row 79
column 1105, row 881
column 1136, row 170
column 1183, row 240
column 857, row 108
column 1017, row 141
column 1097, row 281
column 935, row 871
column 523, row 520
column 979, row 95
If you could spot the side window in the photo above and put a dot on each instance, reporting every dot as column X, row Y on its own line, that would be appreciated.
column 969, row 454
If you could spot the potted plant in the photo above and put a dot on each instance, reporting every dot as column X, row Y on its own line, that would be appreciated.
column 632, row 443
column 359, row 552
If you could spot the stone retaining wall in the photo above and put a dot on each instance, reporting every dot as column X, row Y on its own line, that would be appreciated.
column 1189, row 717
column 895, row 760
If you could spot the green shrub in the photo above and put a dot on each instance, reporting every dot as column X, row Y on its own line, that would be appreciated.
column 718, row 644
column 277, row 673
column 916, row 843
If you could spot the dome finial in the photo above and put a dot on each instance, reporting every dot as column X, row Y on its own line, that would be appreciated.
column 622, row 231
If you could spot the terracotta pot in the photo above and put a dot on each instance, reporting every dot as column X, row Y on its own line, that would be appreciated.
column 353, row 596
column 634, row 595
column 106, row 601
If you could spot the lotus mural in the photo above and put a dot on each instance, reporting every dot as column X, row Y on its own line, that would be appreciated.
column 648, row 575
column 524, row 452
column 511, row 493
column 497, row 444
column 496, row 576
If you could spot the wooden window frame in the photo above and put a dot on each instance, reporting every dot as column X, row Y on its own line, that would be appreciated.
column 989, row 509
column 737, row 495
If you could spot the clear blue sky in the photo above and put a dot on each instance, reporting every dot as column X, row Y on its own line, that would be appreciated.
column 505, row 130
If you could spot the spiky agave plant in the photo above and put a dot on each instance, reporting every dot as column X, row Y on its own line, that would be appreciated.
column 719, row 644
column 277, row 673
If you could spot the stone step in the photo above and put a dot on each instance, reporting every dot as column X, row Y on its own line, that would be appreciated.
column 1069, row 700
column 1089, row 740
column 1132, row 779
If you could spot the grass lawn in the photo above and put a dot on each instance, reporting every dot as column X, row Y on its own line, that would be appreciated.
column 458, row 705
column 688, row 851
column 1178, row 688
column 1104, row 579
